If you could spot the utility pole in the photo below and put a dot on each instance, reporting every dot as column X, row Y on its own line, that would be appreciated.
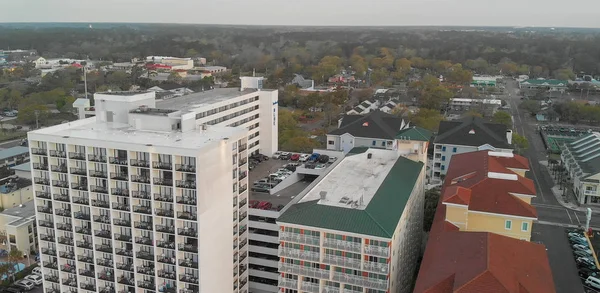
column 37, row 120
column 85, row 80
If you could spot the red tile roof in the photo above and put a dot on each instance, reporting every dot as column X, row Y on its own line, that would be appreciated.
column 476, row 262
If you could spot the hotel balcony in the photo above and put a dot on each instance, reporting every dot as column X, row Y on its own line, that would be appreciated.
column 187, row 232
column 162, row 165
column 79, row 186
column 124, row 252
column 125, row 281
column 140, row 179
column 63, row 212
column 140, row 163
column 189, row 184
column 99, row 189
column 189, row 279
column 121, row 222
column 102, row 219
column 118, row 161
column 144, row 255
column 143, row 240
column 44, row 209
column 299, row 254
column 65, row 241
column 107, row 288
column 87, row 273
column 166, row 244
column 68, row 268
column 188, row 263
column 71, row 282
column 38, row 166
column 242, row 175
column 100, row 204
column 79, row 171
column 242, row 162
column 88, row 286
column 165, row 212
column 300, row 238
column 39, row 152
column 303, row 270
column 163, row 181
column 86, row 258
column 186, row 200
column 60, row 183
column 166, row 259
column 49, row 251
column 120, row 206
column 146, row 285
column 51, row 278
column 67, row 254
column 105, row 262
column 165, row 229
column 104, row 248
column 81, row 200
column 309, row 287
column 98, row 174
column 64, row 227
column 97, row 158
column 167, row 275
column 50, row 265
column 187, row 216
column 360, row 281
column 142, row 210
column 125, row 266
column 123, row 237
column 47, row 237
column 377, row 251
column 81, row 216
column 145, row 270
column 107, row 275
column 43, row 194
column 140, row 194
column 103, row 233
column 77, row 156
column 187, row 248
column 119, row 176
column 119, row 191
column 163, row 197
column 338, row 260
column 47, row 224
column 376, row 267
column 143, row 225
column 83, row 230
column 41, row 181
column 185, row 168
column 289, row 283
column 84, row 244
column 62, row 197
column 342, row 245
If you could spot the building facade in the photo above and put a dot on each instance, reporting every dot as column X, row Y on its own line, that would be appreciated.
column 19, row 227
column 581, row 158
column 139, row 199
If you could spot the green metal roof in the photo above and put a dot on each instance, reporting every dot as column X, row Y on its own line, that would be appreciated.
column 545, row 81
column 414, row 133
column 379, row 218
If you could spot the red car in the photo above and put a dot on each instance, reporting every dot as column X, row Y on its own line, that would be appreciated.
column 295, row 157
column 265, row 205
column 254, row 204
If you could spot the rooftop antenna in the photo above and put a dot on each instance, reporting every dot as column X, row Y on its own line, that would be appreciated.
column 253, row 72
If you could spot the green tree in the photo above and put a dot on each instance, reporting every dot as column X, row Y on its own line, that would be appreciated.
column 14, row 257
column 531, row 106
column 427, row 118
column 174, row 77
column 119, row 79
column 473, row 113
column 27, row 114
column 563, row 74
column 520, row 143
column 503, row 117
column 435, row 98
column 432, row 198
column 456, row 74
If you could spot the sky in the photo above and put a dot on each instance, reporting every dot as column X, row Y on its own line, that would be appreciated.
column 546, row 13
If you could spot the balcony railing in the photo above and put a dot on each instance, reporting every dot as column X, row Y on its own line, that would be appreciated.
column 167, row 275
column 60, row 183
column 122, row 222
column 99, row 189
column 119, row 191
column 105, row 262
column 69, row 255
column 118, row 161
column 376, row 267
column 68, row 268
column 190, row 184
column 187, row 216
column 299, row 254
column 187, row 232
column 100, row 203
column 84, row 244
column 165, row 212
column 188, row 263
column 242, row 147
column 341, row 261
column 44, row 209
column 83, row 230
column 49, row 251
column 163, row 181
column 125, row 266
column 124, row 252
column 360, row 281
column 166, row 259
column 146, row 285
column 53, row 279
column 309, row 287
column 165, row 229
column 38, row 166
column 142, row 225
column 81, row 216
column 166, row 244
column 123, row 237
column 342, row 245
column 78, row 171
column 289, row 283
column 79, row 186
column 145, row 270
column 162, row 165
column 86, row 258
column 126, row 281
column 120, row 206
column 163, row 197
column 300, row 238
column 47, row 224
column 186, row 200
column 104, row 248
column 189, row 279
column 42, row 181
column 242, row 162
column 97, row 158
column 242, row 175
column 88, row 286
column 43, row 194
column 98, row 174
column 185, row 168
column 119, row 176
column 140, row 194
column 302, row 270
column 140, row 163
column 50, row 265
column 62, row 197
column 140, row 179
column 77, row 156
column 103, row 233
column 377, row 250
column 63, row 212
column 64, row 227
column 38, row 151
column 143, row 240
column 142, row 209
column 591, row 192
column 188, row 247
column 81, row 200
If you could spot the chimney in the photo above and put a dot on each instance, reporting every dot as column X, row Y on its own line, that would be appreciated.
column 509, row 133
column 323, row 195
column 369, row 155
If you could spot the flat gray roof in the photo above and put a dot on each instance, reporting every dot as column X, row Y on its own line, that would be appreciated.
column 282, row 197
column 200, row 99
column 24, row 212
column 12, row 152
column 22, row 167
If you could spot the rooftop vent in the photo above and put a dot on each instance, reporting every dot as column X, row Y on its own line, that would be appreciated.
column 143, row 108
column 472, row 131
column 323, row 195
column 369, row 155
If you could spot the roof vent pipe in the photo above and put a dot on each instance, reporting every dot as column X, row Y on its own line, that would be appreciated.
column 323, row 195
column 369, row 155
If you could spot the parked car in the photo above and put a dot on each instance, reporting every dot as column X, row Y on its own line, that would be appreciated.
column 285, row 156
column 581, row 253
column 261, row 181
column 304, row 157
column 13, row 289
column 323, row 159
column 37, row 280
column 295, row 157
column 575, row 234
column 593, row 282
column 276, row 155
column 582, row 248
column 260, row 188
column 585, row 272
column 320, row 166
column 265, row 205
column 585, row 260
column 332, row 160
column 25, row 284
column 576, row 240
column 314, row 157
column 253, row 203
column 37, row 271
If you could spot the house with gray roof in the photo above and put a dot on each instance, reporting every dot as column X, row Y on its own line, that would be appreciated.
column 14, row 156
column 581, row 159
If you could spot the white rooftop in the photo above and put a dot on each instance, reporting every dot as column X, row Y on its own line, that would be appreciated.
column 356, row 178
column 90, row 129
column 200, row 99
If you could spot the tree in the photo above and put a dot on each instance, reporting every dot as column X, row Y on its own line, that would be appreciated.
column 432, row 197
column 435, row 98
column 508, row 68
column 503, row 117
column 520, row 143
column 427, row 118
column 473, row 113
column 563, row 74
column 458, row 75
column 14, row 257
column 531, row 106
column 27, row 114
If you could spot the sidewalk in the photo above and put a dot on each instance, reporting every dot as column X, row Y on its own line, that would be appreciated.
column 565, row 202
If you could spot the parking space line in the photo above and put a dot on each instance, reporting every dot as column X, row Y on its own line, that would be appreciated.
column 577, row 217
column 571, row 219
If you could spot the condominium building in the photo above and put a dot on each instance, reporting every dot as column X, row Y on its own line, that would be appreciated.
column 581, row 159
column 358, row 229
column 140, row 199
column 18, row 225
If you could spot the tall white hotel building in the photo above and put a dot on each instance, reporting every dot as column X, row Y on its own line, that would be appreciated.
column 151, row 196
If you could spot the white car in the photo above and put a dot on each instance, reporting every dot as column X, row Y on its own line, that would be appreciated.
column 304, row 158
column 37, row 271
column 276, row 155
column 582, row 248
column 25, row 284
column 37, row 280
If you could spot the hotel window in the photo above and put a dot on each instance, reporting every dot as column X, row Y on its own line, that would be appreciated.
column 524, row 226
column 443, row 158
column 454, row 150
column 443, row 148
column 374, row 143
column 508, row 224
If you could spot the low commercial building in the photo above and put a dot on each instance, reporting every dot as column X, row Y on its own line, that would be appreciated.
column 18, row 225
column 14, row 156
column 551, row 85
column 467, row 135
column 484, row 80
column 581, row 159
column 22, row 170
column 15, row 191
column 173, row 63
column 356, row 230
column 215, row 70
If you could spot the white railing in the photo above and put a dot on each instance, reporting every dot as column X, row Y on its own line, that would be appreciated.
column 376, row 267
column 330, row 289
column 341, row 261
column 361, row 281
column 288, row 283
column 591, row 192
column 377, row 250
column 309, row 287
column 342, row 245
column 298, row 254
column 300, row 238
column 302, row 270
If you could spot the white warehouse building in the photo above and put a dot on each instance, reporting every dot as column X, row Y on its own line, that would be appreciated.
column 140, row 199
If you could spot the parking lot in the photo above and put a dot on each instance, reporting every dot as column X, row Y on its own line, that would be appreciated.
column 562, row 263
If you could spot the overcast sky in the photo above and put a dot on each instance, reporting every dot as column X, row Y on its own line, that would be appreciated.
column 552, row 13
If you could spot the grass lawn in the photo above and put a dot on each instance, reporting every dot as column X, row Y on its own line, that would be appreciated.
column 10, row 135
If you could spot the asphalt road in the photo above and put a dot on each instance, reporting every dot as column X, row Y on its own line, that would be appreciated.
column 10, row 144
